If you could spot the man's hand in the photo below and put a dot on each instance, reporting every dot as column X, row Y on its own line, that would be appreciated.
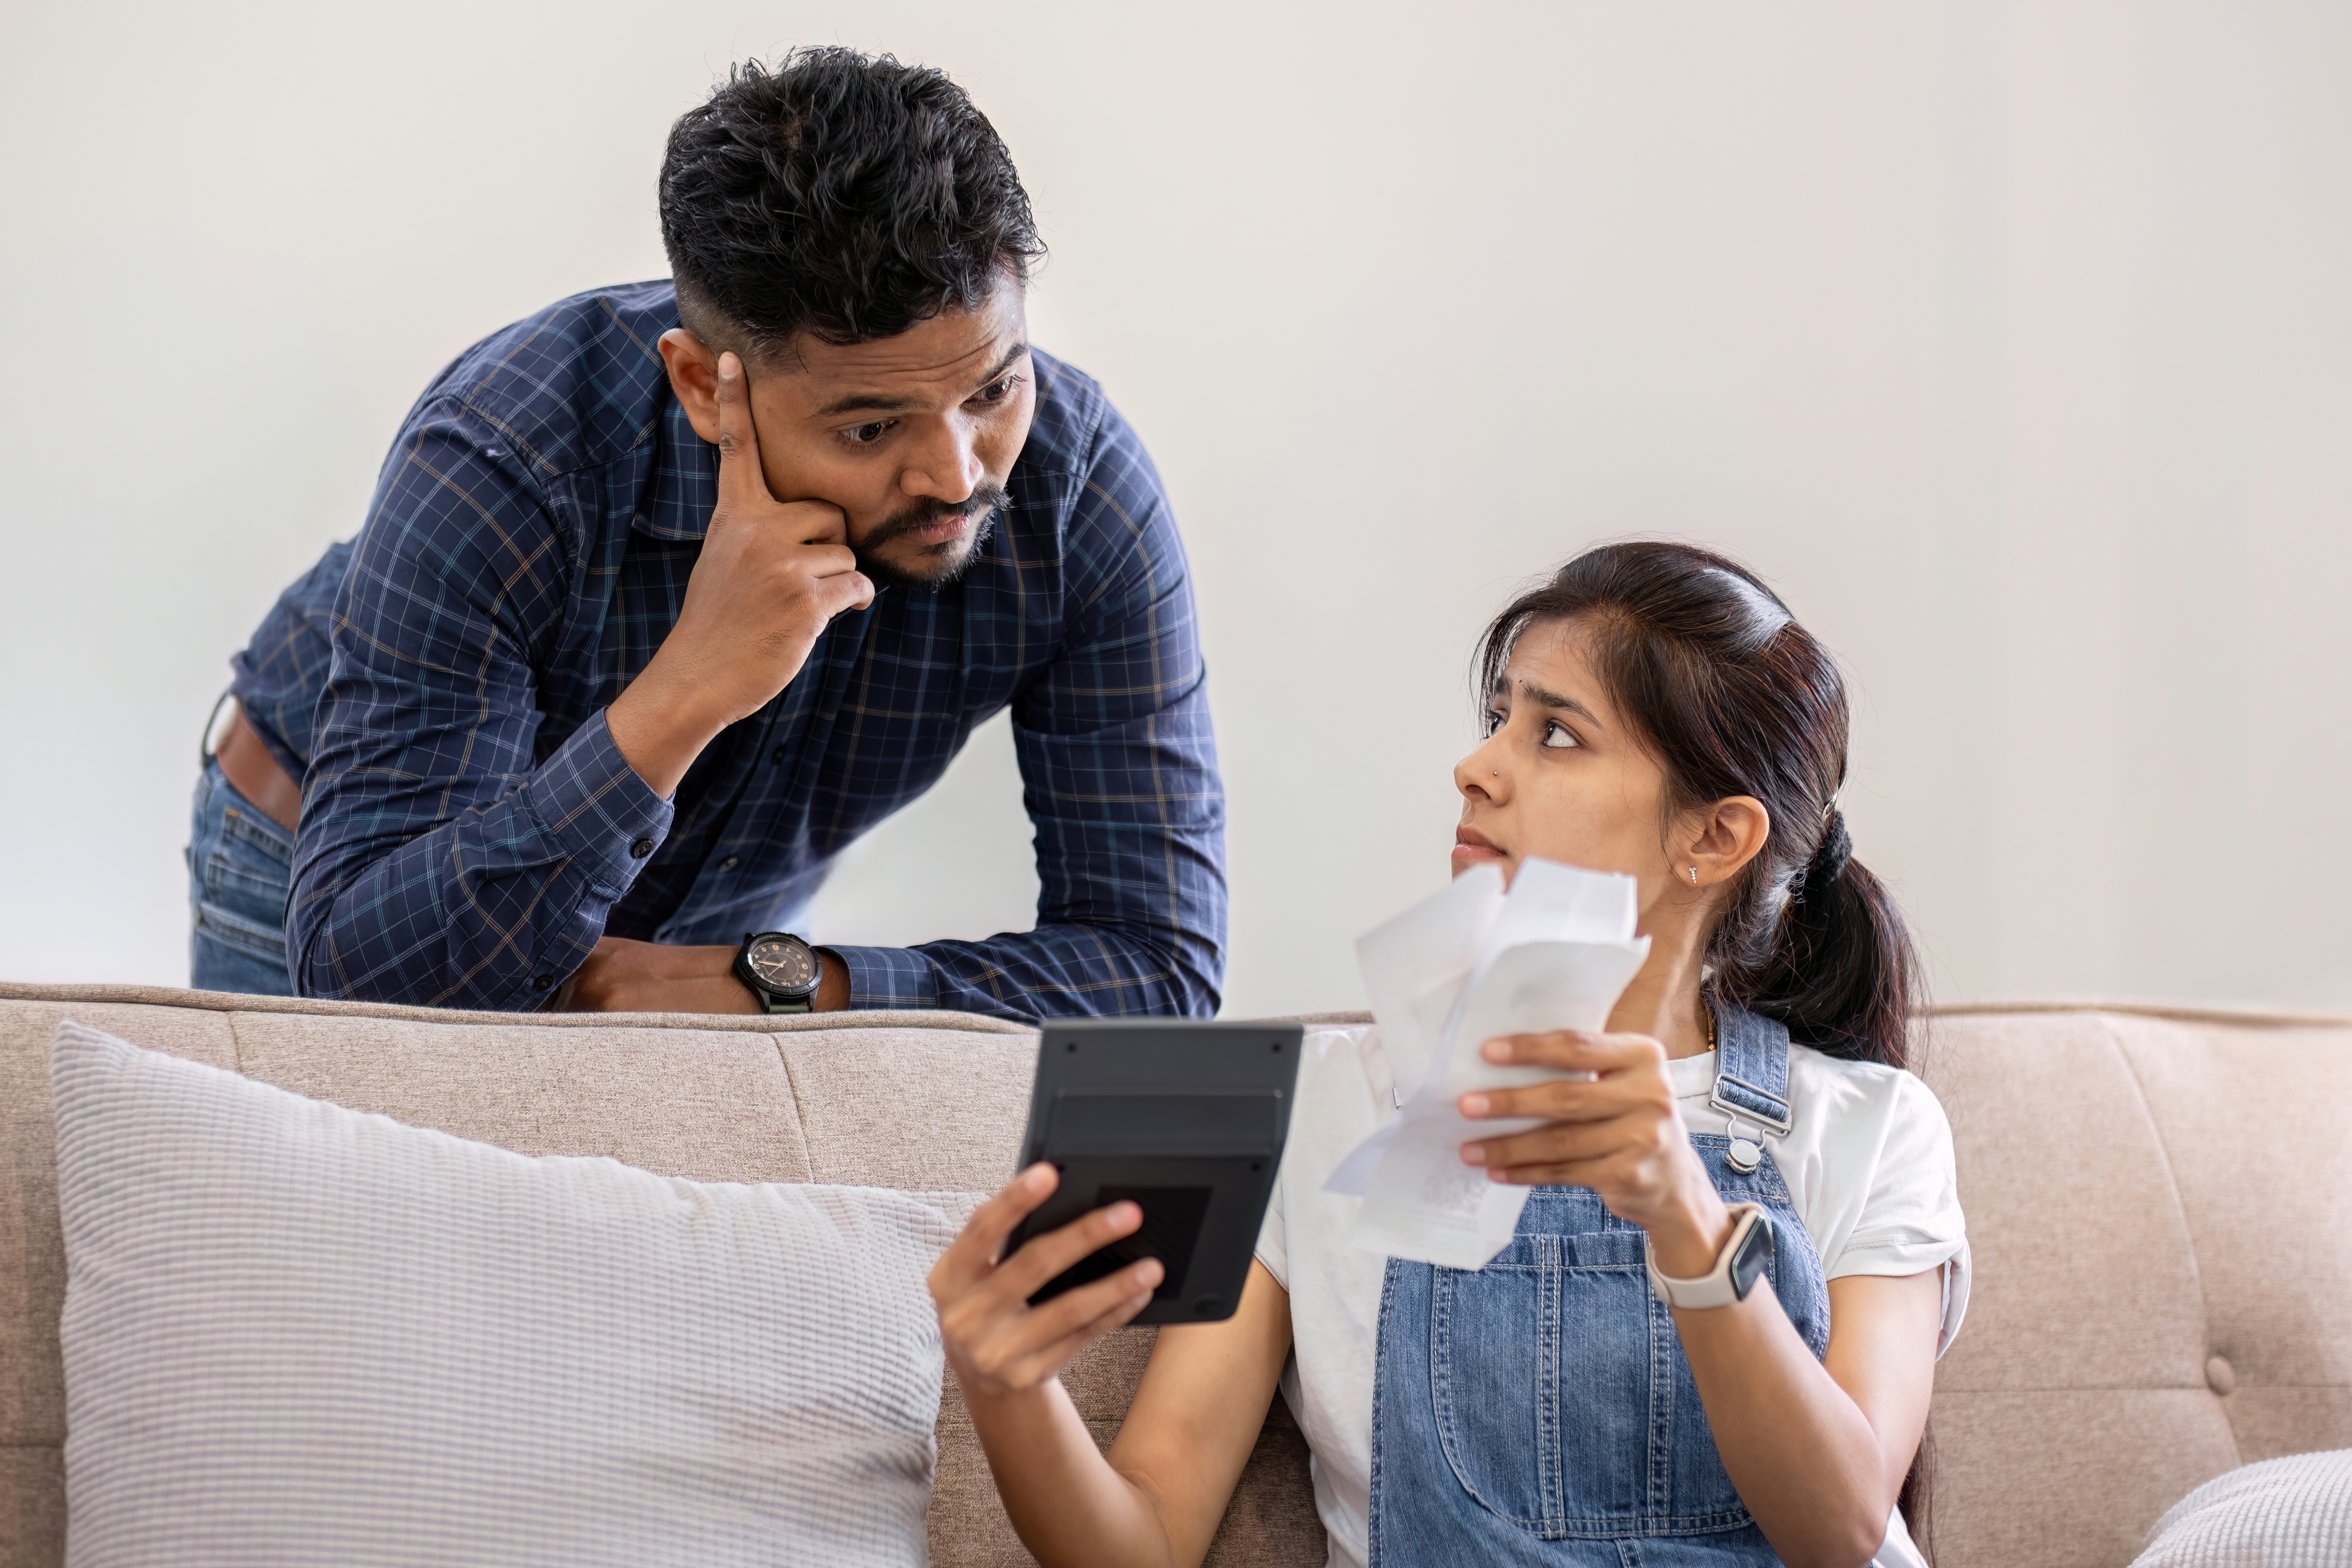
column 626, row 977
column 771, row 575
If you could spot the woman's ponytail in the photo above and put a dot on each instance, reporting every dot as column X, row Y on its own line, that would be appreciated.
column 1841, row 973
column 1736, row 698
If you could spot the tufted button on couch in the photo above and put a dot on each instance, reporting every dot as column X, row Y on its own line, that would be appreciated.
column 2155, row 1199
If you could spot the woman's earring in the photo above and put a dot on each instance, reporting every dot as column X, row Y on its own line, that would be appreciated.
column 1694, row 876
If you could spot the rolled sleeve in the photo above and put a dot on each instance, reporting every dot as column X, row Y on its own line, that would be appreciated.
column 1911, row 1219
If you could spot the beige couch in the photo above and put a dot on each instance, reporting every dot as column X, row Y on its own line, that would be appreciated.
column 2163, row 1262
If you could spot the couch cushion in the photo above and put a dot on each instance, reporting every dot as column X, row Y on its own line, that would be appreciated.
column 287, row 1323
column 936, row 1110
column 2151, row 1198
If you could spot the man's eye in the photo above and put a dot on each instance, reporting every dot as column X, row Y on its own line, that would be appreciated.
column 999, row 392
column 866, row 435
column 1556, row 736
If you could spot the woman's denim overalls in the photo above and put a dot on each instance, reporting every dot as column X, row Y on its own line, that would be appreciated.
column 1539, row 1410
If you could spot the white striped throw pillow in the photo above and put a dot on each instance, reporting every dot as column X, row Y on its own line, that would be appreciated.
column 2295, row 1512
column 295, row 1333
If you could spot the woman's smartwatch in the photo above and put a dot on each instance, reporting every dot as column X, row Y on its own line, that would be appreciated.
column 783, row 971
column 1737, row 1267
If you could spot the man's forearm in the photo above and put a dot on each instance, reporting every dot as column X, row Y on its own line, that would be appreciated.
column 628, row 977
column 660, row 732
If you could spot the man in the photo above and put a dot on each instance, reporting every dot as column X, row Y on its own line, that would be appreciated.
column 671, row 591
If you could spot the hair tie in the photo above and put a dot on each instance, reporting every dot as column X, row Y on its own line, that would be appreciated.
column 1830, row 857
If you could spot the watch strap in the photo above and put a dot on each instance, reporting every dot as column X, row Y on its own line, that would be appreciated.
column 1736, row 1265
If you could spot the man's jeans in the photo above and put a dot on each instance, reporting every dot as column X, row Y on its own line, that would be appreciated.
column 239, row 866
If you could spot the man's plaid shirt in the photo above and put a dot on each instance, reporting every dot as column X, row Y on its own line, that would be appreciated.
column 469, row 830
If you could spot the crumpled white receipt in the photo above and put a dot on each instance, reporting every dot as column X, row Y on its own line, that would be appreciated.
column 1446, row 976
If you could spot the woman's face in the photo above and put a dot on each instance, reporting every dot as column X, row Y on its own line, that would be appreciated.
column 1560, row 776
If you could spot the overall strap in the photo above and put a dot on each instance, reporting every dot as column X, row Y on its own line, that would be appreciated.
column 1752, row 1069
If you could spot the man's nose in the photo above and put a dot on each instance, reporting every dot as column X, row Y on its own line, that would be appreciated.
column 946, row 469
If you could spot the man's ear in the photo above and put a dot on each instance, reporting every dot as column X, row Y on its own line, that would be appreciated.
column 1731, row 833
column 693, row 370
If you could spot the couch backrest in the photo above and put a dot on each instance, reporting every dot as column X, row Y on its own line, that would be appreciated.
column 2160, row 1284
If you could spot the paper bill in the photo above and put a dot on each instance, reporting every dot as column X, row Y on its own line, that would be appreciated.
column 1416, row 967
column 1557, row 954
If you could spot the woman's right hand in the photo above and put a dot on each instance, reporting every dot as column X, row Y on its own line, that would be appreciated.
column 999, row 1343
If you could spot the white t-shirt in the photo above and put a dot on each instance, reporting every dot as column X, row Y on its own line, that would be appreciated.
column 1868, row 1166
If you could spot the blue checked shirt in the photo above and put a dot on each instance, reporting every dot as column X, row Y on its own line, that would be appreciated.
column 469, row 830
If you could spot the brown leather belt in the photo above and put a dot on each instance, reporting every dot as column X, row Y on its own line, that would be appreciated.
column 247, row 763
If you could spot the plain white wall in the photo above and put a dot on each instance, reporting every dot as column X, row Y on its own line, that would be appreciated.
column 2010, row 342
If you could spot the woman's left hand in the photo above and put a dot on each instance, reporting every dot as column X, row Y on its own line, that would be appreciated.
column 1620, row 1133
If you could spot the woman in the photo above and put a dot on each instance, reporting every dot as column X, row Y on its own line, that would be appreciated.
column 1654, row 710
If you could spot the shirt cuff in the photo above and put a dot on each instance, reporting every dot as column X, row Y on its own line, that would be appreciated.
column 888, row 977
column 590, row 801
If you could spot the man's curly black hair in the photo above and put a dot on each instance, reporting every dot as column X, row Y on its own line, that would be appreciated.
column 840, row 194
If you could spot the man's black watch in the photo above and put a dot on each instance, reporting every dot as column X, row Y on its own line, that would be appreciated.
column 783, row 971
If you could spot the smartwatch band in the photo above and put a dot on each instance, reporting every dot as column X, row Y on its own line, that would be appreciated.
column 1737, row 1265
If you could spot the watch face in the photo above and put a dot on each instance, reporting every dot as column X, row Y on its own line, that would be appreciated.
column 784, row 963
column 1754, row 1256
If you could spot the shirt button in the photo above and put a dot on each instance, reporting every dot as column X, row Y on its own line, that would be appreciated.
column 727, row 864
column 540, row 982
column 641, row 849
column 777, row 755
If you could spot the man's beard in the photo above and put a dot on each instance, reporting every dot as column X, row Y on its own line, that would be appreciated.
column 935, row 566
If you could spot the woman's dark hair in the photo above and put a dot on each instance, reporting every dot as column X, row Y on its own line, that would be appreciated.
column 1733, row 698
column 841, row 194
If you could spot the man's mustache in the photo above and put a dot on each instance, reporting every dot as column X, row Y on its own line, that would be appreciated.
column 984, row 501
